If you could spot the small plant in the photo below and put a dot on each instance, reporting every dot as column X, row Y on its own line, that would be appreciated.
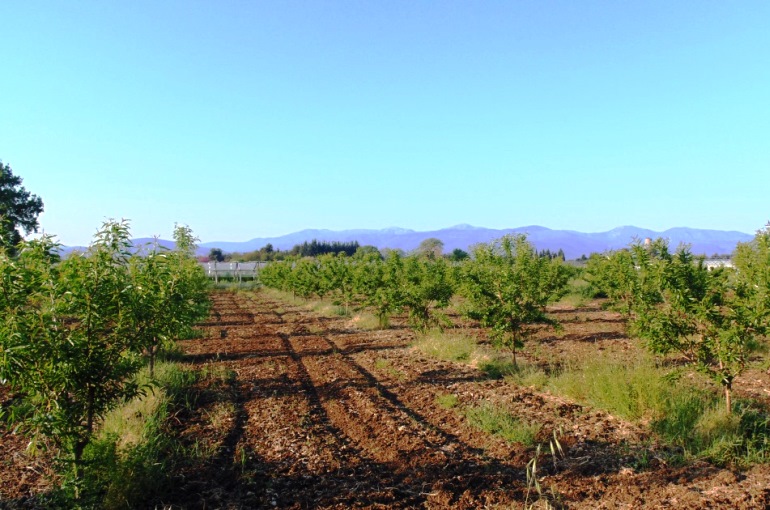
column 497, row 368
column 447, row 400
column 508, row 286
column 385, row 366
column 446, row 346
column 497, row 421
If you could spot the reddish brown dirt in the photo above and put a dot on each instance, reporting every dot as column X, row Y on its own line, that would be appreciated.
column 336, row 417
column 323, row 415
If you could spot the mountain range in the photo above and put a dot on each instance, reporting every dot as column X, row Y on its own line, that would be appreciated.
column 573, row 243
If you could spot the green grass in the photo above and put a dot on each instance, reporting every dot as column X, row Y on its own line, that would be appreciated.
column 496, row 420
column 496, row 364
column 447, row 400
column 130, row 459
column 385, row 366
column 448, row 346
column 366, row 321
column 633, row 390
column 683, row 413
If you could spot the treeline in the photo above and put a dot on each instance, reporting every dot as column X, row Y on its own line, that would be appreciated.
column 315, row 248
column 74, row 333
column 268, row 253
column 431, row 247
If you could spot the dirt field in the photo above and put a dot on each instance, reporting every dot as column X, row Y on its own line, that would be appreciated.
column 332, row 417
column 319, row 414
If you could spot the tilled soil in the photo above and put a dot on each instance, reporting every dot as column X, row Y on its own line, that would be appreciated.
column 335, row 417
column 321, row 414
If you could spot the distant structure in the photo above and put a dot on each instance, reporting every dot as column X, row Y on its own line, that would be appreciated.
column 232, row 270
column 712, row 264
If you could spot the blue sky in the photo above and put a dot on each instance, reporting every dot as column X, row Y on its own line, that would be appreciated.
column 249, row 119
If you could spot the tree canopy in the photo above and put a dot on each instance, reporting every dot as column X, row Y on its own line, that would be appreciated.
column 19, row 209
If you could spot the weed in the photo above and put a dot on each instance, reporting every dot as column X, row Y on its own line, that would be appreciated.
column 496, row 420
column 384, row 365
column 366, row 321
column 447, row 400
column 633, row 390
column 497, row 368
column 446, row 346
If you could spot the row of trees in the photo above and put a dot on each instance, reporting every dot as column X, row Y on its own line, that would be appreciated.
column 506, row 284
column 74, row 332
column 713, row 319
column 267, row 253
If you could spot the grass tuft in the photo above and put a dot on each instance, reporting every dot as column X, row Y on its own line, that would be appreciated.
column 448, row 346
column 497, row 421
column 634, row 390
column 447, row 400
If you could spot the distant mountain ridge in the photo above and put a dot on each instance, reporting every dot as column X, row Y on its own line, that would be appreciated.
column 573, row 243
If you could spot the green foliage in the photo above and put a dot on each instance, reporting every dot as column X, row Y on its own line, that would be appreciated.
column 132, row 459
column 216, row 255
column 508, row 287
column 447, row 400
column 315, row 248
column 700, row 315
column 427, row 288
column 447, row 346
column 276, row 275
column 19, row 209
column 496, row 420
column 338, row 278
column 634, row 390
column 169, row 295
column 378, row 281
column 71, row 333
column 431, row 248
column 458, row 255
column 626, row 276
column 67, row 345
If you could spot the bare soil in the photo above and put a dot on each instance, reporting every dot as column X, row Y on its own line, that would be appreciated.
column 320, row 414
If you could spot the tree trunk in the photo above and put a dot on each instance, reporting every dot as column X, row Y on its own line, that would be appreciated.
column 729, row 397
column 77, row 455
column 151, row 351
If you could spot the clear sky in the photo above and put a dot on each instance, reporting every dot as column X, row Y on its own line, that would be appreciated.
column 247, row 119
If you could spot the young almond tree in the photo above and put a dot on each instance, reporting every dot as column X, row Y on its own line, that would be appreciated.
column 336, row 272
column 623, row 276
column 508, row 287
column 710, row 319
column 427, row 287
column 378, row 281
column 187, row 286
column 153, row 287
column 65, row 341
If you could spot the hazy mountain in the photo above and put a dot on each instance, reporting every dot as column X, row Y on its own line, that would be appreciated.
column 574, row 244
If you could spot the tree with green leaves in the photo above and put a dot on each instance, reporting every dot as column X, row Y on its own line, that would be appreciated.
column 508, row 286
column 67, row 345
column 337, row 274
column 72, row 332
column 216, row 255
column 431, row 247
column 19, row 209
column 378, row 281
column 427, row 287
column 712, row 319
column 169, row 295
column 625, row 276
